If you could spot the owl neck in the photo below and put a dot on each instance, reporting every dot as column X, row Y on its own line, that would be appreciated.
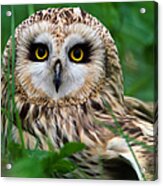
column 82, row 122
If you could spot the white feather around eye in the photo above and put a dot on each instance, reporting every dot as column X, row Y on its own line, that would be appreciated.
column 80, row 33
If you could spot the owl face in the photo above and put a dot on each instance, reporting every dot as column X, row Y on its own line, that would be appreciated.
column 59, row 60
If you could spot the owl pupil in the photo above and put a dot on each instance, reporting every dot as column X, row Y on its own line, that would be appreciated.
column 41, row 52
column 77, row 53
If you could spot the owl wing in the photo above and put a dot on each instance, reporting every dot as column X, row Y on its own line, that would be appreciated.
column 119, row 163
column 140, row 109
column 132, row 154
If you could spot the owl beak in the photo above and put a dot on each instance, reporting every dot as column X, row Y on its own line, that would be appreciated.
column 57, row 75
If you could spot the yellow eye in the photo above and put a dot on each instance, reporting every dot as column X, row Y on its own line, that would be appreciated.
column 41, row 53
column 76, row 54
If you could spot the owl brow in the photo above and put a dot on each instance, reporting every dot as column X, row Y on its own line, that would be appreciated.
column 85, row 46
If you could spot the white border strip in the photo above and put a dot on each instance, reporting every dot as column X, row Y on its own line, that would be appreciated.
column 8, row 2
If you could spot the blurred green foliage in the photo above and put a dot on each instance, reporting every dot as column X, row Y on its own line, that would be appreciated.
column 44, row 164
column 133, row 32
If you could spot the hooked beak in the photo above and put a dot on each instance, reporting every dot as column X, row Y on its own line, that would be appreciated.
column 57, row 75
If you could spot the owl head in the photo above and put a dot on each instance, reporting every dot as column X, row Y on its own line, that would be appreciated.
column 65, row 53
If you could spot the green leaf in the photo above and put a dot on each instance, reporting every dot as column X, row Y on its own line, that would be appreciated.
column 63, row 166
column 42, row 155
column 71, row 148
column 27, row 168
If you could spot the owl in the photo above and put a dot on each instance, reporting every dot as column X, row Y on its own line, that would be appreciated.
column 69, row 87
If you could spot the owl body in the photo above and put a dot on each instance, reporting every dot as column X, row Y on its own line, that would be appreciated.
column 69, row 87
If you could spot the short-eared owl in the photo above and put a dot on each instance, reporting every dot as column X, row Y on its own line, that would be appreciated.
column 69, row 87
